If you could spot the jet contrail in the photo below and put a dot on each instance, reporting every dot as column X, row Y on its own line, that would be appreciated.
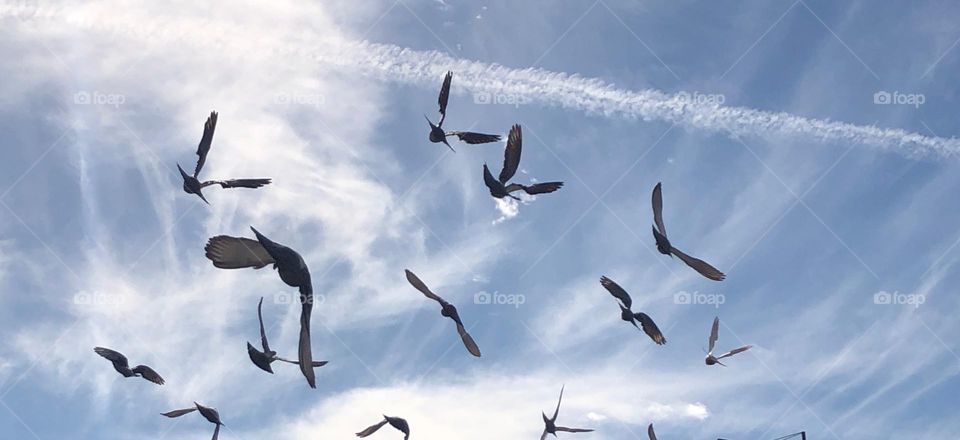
column 494, row 82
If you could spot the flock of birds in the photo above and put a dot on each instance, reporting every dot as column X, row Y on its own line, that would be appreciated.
column 227, row 252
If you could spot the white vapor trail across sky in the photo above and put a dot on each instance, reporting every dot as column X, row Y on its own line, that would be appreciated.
column 392, row 63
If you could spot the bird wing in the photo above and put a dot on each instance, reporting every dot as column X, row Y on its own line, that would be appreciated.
column 204, row 147
column 468, row 340
column 544, row 435
column 118, row 359
column 444, row 96
column 419, row 285
column 511, row 154
column 178, row 412
column 650, row 433
column 237, row 183
column 734, row 351
column 372, row 428
column 263, row 333
column 488, row 179
column 565, row 429
column 556, row 412
column 650, row 328
column 658, row 209
column 714, row 334
column 699, row 265
column 475, row 138
column 216, row 432
column 148, row 374
column 305, row 349
column 538, row 188
column 228, row 252
column 616, row 291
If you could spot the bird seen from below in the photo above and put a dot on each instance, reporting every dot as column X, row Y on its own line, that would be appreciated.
column 396, row 422
column 664, row 246
column 550, row 426
column 210, row 414
column 646, row 323
column 228, row 252
column 263, row 359
column 437, row 134
column 714, row 334
column 446, row 309
column 122, row 366
column 511, row 163
column 192, row 184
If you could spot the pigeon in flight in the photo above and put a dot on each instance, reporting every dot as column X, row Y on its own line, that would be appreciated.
column 210, row 414
column 511, row 162
column 447, row 310
column 646, row 323
column 396, row 422
column 713, row 360
column 191, row 184
column 664, row 246
column 552, row 428
column 263, row 359
column 437, row 134
column 123, row 367
column 228, row 252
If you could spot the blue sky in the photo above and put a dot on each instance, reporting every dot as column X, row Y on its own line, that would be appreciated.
column 787, row 187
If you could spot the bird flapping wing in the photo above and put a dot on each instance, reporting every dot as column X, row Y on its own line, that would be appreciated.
column 658, row 209
column 616, row 291
column 263, row 333
column 204, row 146
column 468, row 341
column 556, row 412
column 650, row 433
column 650, row 328
column 419, row 285
column 305, row 348
column 148, row 374
column 475, row 138
column 179, row 412
column 699, row 265
column 511, row 154
column 714, row 334
column 216, row 432
column 444, row 96
column 115, row 357
column 538, row 188
column 372, row 428
column 565, row 429
column 492, row 184
column 237, row 183
column 734, row 351
column 228, row 252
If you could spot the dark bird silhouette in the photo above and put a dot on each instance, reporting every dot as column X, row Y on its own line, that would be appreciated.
column 550, row 423
column 714, row 334
column 263, row 359
column 228, row 252
column 511, row 162
column 650, row 433
column 122, row 366
column 210, row 414
column 446, row 309
column 664, row 246
column 437, row 134
column 396, row 422
column 646, row 323
column 192, row 185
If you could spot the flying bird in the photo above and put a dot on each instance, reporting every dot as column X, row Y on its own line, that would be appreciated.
column 122, row 366
column 396, row 422
column 446, row 309
column 664, row 246
column 550, row 423
column 192, row 185
column 511, row 162
column 650, row 433
column 646, row 323
column 263, row 359
column 210, row 414
column 437, row 134
column 228, row 252
column 711, row 359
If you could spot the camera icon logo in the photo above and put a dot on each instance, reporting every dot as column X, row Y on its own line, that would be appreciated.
column 482, row 298
column 482, row 98
column 682, row 298
column 882, row 298
column 81, row 97
column 882, row 97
